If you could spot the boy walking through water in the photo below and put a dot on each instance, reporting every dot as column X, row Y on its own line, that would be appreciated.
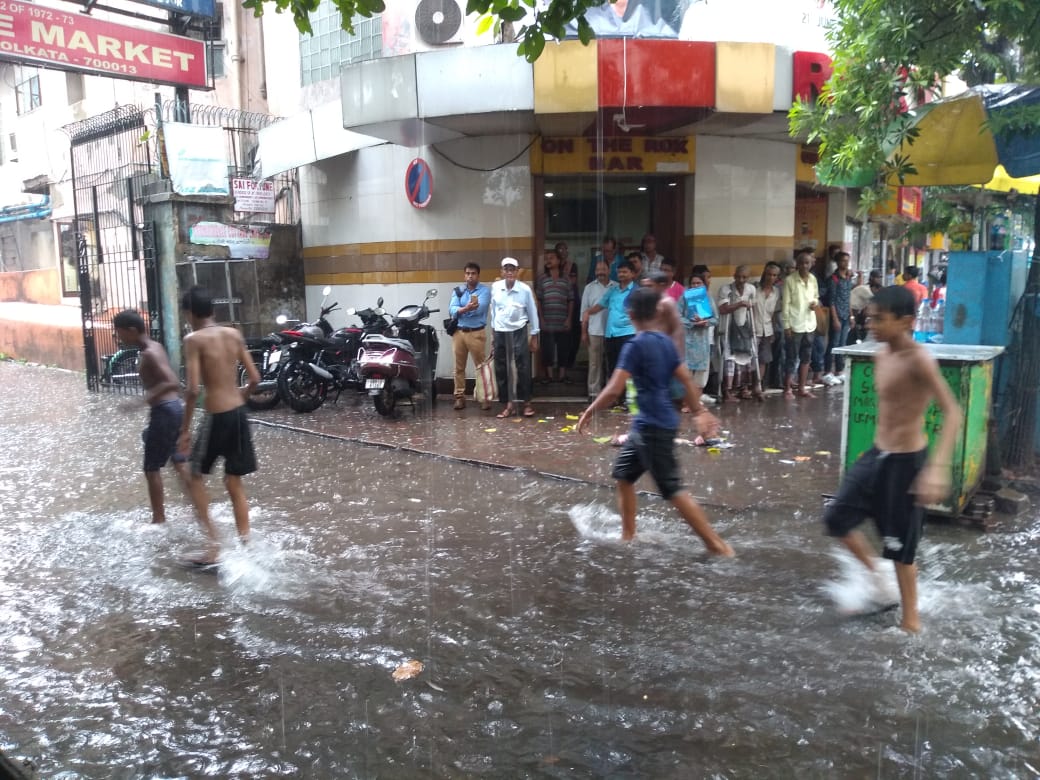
column 651, row 360
column 211, row 356
column 896, row 478
column 162, row 392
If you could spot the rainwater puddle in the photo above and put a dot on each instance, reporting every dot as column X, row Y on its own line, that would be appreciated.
column 549, row 648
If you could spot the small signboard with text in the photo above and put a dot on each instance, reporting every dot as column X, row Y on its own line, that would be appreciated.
column 253, row 195
column 52, row 38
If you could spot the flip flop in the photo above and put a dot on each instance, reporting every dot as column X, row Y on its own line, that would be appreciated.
column 507, row 412
column 528, row 412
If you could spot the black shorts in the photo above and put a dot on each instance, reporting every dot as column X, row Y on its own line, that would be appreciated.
column 227, row 435
column 878, row 486
column 650, row 449
column 160, row 437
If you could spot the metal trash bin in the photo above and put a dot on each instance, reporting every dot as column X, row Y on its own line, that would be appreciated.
column 969, row 372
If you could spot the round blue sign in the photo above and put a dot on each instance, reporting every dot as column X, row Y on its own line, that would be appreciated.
column 418, row 183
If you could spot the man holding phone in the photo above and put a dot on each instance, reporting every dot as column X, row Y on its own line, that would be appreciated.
column 469, row 305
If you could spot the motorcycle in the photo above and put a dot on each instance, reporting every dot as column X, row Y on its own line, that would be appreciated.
column 266, row 353
column 300, row 387
column 329, row 361
column 403, row 365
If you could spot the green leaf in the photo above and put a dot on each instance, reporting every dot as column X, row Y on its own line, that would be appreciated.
column 486, row 23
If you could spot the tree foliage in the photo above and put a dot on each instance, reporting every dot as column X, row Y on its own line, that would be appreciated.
column 540, row 22
column 889, row 54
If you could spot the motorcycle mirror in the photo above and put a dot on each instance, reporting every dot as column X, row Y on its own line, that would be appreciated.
column 281, row 319
column 431, row 293
column 379, row 304
column 351, row 311
column 326, row 290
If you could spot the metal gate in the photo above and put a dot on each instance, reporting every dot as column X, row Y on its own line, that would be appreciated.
column 112, row 167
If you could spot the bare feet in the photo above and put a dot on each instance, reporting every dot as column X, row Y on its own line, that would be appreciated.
column 721, row 549
column 805, row 393
column 911, row 627
column 789, row 395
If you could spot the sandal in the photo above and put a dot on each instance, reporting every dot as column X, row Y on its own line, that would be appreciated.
column 745, row 394
column 507, row 412
column 528, row 411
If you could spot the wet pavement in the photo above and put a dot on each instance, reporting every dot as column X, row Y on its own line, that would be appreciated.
column 803, row 439
column 548, row 648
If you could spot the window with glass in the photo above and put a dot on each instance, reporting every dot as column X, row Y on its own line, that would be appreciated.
column 27, row 95
column 330, row 47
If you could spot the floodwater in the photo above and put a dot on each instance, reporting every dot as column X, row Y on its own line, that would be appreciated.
column 549, row 648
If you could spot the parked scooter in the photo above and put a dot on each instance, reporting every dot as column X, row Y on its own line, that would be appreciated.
column 403, row 365
column 266, row 353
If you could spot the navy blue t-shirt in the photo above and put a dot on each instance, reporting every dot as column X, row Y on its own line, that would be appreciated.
column 651, row 359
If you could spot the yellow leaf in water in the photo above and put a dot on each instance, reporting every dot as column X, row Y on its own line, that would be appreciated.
column 770, row 449
column 802, row 458
column 408, row 670
column 573, row 417
column 567, row 429
column 490, row 430
column 517, row 420
column 714, row 450
column 825, row 453
column 601, row 439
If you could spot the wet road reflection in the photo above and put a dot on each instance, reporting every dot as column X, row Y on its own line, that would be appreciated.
column 549, row 648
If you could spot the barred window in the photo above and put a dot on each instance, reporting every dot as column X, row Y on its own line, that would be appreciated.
column 331, row 47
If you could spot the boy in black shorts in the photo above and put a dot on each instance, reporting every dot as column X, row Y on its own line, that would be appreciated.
column 162, row 394
column 212, row 354
column 651, row 360
column 895, row 479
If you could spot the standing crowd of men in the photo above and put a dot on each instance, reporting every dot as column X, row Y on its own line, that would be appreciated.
column 780, row 331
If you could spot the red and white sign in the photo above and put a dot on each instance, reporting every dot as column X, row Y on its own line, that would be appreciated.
column 253, row 195
column 52, row 37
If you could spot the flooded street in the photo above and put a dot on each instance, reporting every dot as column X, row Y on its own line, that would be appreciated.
column 549, row 648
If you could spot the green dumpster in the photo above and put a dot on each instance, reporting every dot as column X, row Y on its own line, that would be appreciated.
column 969, row 372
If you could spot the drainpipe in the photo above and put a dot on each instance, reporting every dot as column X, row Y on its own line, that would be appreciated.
column 234, row 36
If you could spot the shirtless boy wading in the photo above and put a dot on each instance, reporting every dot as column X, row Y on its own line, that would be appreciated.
column 211, row 356
column 895, row 479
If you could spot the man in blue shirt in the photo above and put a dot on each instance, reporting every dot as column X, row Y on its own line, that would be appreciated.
column 619, row 328
column 651, row 360
column 469, row 305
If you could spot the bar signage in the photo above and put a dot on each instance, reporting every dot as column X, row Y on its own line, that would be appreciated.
column 53, row 38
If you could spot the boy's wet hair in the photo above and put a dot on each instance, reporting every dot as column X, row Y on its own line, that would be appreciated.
column 658, row 277
column 471, row 266
column 130, row 320
column 642, row 304
column 198, row 301
column 897, row 300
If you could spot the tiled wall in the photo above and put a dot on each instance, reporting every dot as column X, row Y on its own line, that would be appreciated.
column 743, row 202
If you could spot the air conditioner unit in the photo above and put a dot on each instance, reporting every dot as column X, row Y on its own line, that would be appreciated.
column 438, row 23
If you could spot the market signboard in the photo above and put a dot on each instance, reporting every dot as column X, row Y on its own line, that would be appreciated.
column 52, row 38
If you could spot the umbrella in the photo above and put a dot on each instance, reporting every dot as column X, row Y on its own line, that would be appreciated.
column 956, row 146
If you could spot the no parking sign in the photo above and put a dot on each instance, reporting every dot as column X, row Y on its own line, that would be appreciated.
column 418, row 183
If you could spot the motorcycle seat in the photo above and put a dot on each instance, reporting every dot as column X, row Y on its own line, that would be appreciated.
column 387, row 342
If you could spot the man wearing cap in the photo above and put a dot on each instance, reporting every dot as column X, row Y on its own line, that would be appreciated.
column 514, row 322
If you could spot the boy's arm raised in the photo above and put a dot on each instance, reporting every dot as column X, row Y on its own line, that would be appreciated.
column 933, row 483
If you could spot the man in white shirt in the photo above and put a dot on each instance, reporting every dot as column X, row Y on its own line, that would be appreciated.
column 593, row 326
column 514, row 322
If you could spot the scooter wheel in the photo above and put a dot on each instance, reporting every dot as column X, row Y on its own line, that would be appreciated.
column 385, row 402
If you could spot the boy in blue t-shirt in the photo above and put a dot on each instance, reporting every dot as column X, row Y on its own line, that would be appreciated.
column 651, row 360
